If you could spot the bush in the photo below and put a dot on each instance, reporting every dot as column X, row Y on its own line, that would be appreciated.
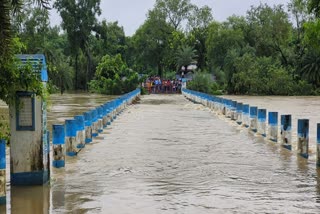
column 203, row 82
column 107, row 78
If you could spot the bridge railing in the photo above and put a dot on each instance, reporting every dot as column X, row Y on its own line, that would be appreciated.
column 70, row 138
column 255, row 119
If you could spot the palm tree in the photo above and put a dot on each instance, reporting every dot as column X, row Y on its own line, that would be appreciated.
column 184, row 57
column 8, row 8
column 311, row 68
column 8, row 77
column 314, row 7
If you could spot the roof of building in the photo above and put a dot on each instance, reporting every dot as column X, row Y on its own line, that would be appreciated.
column 35, row 60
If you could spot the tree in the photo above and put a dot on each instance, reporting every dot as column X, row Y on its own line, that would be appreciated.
column 270, row 31
column 198, row 23
column 311, row 68
column 152, row 42
column 110, row 37
column 299, row 11
column 10, row 76
column 175, row 11
column 79, row 20
column 185, row 56
column 314, row 7
column 110, row 66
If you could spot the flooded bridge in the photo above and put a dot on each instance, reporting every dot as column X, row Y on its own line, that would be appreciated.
column 165, row 154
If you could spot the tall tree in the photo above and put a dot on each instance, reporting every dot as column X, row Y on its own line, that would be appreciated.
column 270, row 30
column 9, row 76
column 152, row 41
column 78, row 20
column 198, row 23
column 314, row 7
column 175, row 11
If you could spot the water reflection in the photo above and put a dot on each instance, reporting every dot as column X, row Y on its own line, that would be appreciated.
column 35, row 199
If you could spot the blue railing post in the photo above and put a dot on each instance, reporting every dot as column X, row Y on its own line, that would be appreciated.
column 58, row 145
column 303, row 137
column 245, row 115
column 105, row 116
column 100, row 119
column 253, row 118
column 262, row 117
column 88, row 127
column 234, row 110
column 94, row 126
column 239, row 113
column 80, row 135
column 71, row 133
column 3, row 198
column 273, row 126
column 286, row 131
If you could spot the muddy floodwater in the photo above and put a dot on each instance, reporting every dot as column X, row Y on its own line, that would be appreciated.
column 168, row 155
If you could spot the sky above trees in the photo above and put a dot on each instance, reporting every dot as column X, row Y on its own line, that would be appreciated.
column 132, row 13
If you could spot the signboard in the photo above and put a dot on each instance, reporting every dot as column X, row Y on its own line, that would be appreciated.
column 25, row 112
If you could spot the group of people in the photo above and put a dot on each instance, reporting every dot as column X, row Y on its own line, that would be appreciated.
column 157, row 85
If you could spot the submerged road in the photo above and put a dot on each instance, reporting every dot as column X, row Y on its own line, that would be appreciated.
column 168, row 155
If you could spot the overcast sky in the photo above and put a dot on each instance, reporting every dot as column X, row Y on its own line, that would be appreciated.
column 131, row 13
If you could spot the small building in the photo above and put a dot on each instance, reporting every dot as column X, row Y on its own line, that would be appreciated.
column 29, row 152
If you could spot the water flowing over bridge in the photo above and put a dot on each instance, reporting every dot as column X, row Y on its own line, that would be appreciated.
column 165, row 154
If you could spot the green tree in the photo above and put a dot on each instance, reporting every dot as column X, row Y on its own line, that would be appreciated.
column 79, row 20
column 270, row 31
column 185, row 56
column 314, row 7
column 110, row 66
column 175, row 11
column 11, row 76
column 311, row 68
column 152, row 42
column 198, row 23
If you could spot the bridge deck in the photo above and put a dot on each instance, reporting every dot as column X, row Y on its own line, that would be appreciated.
column 167, row 155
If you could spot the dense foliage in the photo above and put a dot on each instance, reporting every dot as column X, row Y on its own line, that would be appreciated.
column 269, row 51
column 113, row 77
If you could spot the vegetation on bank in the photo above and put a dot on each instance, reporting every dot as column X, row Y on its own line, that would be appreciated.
column 272, row 50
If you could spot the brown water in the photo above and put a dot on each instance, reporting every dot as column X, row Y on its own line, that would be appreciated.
column 167, row 155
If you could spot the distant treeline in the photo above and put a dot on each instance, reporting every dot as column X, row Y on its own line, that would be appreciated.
column 269, row 51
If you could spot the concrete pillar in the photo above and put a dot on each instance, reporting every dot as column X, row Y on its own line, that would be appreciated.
column 88, row 127
column 228, row 108
column 245, row 115
column 3, row 198
column 115, row 109
column 254, row 118
column 224, row 106
column 105, row 116
column 58, row 145
column 109, row 115
column 71, row 133
column 273, row 126
column 239, row 113
column 303, row 137
column 286, row 131
column 233, row 110
column 318, row 144
column 94, row 126
column 81, row 133
column 262, row 117
column 100, row 119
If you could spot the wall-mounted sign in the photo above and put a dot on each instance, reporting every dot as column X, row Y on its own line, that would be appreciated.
column 25, row 112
